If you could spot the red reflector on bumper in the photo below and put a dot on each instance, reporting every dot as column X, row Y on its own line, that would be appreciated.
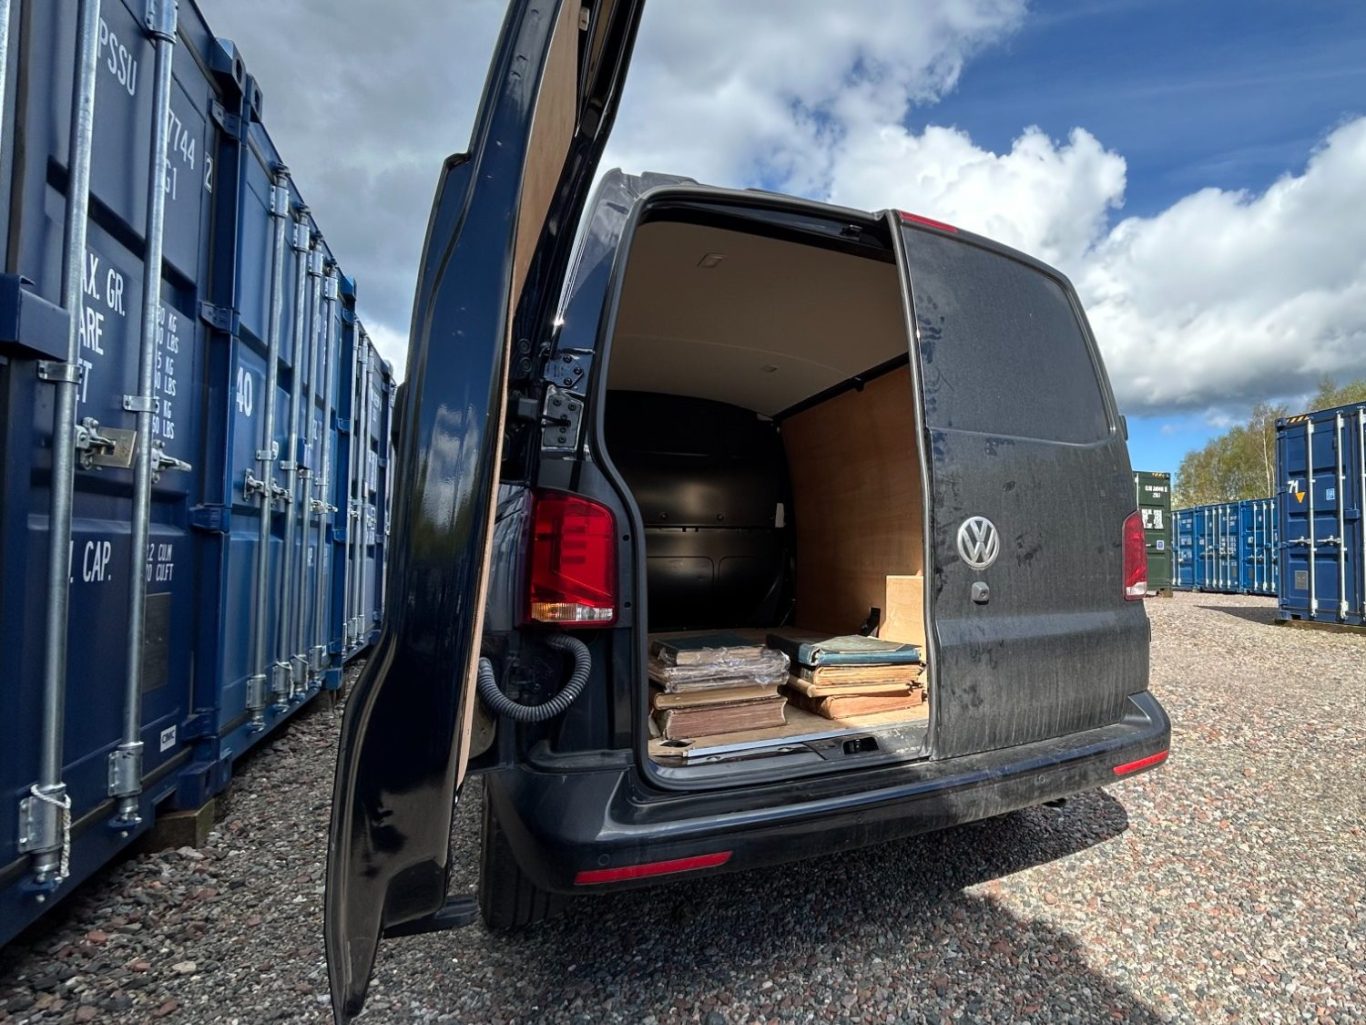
column 650, row 868
column 1142, row 763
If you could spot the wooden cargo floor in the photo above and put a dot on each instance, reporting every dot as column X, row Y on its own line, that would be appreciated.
column 801, row 727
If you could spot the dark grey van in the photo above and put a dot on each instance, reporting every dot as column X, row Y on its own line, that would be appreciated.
column 729, row 410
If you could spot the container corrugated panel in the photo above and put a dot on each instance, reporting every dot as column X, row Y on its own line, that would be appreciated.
column 201, row 699
column 1321, row 466
column 1153, row 494
column 1227, row 547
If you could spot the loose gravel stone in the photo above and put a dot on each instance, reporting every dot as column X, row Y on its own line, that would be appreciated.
column 1225, row 887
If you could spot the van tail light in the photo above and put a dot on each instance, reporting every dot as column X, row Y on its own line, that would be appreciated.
column 573, row 562
column 1135, row 559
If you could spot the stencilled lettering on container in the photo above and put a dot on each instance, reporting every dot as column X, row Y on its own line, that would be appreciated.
column 95, row 562
column 164, row 381
column 160, row 562
column 118, row 60
column 104, row 295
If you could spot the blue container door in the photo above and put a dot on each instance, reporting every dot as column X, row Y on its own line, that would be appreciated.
column 1183, row 572
column 1260, row 521
column 1320, row 460
column 97, row 652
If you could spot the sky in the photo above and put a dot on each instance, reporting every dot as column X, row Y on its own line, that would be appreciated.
column 1198, row 170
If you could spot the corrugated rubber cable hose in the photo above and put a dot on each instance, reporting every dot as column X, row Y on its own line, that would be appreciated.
column 500, row 703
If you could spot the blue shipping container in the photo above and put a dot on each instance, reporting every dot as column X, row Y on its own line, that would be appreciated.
column 1321, row 469
column 173, row 517
column 1227, row 547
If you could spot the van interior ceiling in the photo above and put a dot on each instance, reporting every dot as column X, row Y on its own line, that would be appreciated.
column 760, row 410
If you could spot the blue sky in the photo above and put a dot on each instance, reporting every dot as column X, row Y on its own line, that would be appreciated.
column 1193, row 95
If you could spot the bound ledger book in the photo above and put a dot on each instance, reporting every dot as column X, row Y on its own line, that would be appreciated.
column 728, row 710
column 842, row 707
column 807, row 649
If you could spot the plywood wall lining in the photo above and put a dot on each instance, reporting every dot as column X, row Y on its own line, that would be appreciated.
column 857, row 501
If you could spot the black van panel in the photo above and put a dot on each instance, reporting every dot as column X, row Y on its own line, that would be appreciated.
column 1050, row 646
column 708, row 479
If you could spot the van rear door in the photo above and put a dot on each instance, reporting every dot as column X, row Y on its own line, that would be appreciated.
column 1028, row 489
column 497, row 245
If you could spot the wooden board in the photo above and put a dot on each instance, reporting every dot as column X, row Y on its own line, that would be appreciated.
column 904, row 613
column 856, row 502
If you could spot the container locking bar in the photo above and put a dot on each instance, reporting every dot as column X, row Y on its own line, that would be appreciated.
column 125, row 761
column 1313, row 546
column 1339, row 437
column 287, row 607
column 1361, row 501
column 267, row 454
column 49, row 845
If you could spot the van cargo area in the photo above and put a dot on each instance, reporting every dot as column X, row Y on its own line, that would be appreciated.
column 760, row 410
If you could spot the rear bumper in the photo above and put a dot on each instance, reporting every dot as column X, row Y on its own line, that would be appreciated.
column 562, row 824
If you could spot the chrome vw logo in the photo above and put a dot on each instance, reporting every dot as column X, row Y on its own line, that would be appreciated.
column 978, row 542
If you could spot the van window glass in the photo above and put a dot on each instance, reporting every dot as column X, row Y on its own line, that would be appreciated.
column 1002, row 350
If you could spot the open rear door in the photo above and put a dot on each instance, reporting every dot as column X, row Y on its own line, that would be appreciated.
column 1029, row 490
column 496, row 249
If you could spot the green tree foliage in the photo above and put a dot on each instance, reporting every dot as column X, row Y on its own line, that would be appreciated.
column 1241, row 462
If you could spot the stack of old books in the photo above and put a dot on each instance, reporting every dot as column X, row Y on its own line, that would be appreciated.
column 705, row 684
column 839, row 677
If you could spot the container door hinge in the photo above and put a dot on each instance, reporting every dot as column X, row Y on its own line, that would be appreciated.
column 197, row 726
column 213, row 519
column 221, row 318
column 229, row 123
column 104, row 446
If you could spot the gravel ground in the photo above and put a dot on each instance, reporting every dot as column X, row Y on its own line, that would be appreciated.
column 1226, row 887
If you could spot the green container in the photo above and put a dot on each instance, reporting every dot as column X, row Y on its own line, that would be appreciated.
column 1153, row 492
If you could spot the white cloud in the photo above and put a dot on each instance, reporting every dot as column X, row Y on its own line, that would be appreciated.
column 1232, row 296
column 364, row 107
column 745, row 94
column 1050, row 199
column 1222, row 299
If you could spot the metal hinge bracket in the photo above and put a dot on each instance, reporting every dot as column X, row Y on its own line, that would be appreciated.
column 568, row 370
column 60, row 372
column 230, row 124
column 222, row 318
column 125, row 770
column 160, row 19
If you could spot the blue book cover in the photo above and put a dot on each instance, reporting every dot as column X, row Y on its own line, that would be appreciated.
column 814, row 650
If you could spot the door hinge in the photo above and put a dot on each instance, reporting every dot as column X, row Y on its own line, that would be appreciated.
column 230, row 124
column 568, row 369
column 222, row 318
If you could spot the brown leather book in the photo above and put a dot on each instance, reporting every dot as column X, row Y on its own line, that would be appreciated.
column 719, row 696
column 866, row 704
column 836, row 675
column 823, row 690
column 708, row 720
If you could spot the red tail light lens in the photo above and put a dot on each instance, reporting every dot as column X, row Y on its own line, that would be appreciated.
column 573, row 562
column 1135, row 559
